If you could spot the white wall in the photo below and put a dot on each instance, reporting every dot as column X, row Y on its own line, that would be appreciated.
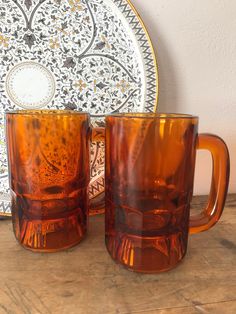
column 195, row 43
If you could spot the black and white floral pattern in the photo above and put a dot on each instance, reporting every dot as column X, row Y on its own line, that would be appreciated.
column 97, row 52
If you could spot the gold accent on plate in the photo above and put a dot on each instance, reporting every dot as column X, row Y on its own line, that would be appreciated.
column 75, row 5
column 4, row 41
column 62, row 31
column 80, row 84
column 95, row 86
column 54, row 44
column 123, row 86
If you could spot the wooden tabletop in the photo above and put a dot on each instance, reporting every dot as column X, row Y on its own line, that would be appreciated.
column 84, row 280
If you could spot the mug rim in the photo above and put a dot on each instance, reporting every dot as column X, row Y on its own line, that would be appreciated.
column 152, row 115
column 46, row 112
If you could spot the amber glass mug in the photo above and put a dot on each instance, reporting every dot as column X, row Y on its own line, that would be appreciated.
column 49, row 173
column 150, row 162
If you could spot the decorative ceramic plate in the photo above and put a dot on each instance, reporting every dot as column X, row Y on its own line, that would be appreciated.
column 86, row 55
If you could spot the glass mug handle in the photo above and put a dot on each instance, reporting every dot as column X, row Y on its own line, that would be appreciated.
column 219, row 184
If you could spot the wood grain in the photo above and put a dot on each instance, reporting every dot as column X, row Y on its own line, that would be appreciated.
column 85, row 280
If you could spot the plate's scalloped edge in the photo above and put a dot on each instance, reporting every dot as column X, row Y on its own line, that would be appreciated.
column 97, row 187
column 5, row 209
column 149, row 56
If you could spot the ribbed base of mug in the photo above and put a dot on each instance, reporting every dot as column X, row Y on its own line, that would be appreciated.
column 50, row 235
column 52, row 250
column 147, row 254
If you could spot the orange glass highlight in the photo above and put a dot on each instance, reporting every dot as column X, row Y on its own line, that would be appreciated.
column 150, row 162
column 48, row 155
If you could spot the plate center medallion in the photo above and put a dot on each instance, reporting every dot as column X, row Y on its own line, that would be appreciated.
column 30, row 85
